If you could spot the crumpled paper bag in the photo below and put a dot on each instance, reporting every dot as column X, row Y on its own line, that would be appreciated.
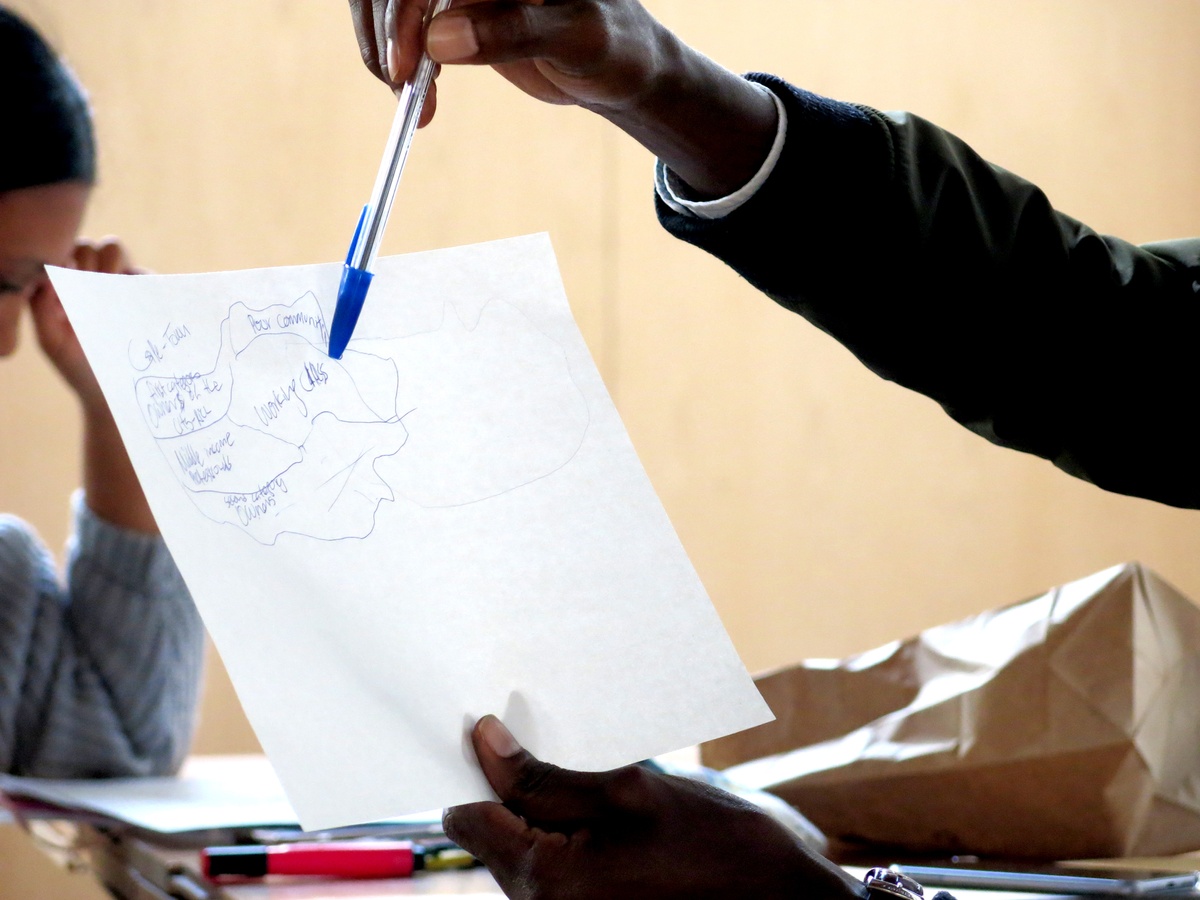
column 1067, row 726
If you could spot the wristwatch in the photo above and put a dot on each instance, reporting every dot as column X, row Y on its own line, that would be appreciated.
column 884, row 884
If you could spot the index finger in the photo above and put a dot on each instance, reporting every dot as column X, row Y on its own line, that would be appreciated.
column 488, row 831
column 389, row 36
column 512, row 850
column 363, row 14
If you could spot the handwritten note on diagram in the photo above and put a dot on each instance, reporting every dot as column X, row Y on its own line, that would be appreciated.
column 448, row 521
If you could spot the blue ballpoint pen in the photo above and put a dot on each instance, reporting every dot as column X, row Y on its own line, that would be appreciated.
column 364, row 247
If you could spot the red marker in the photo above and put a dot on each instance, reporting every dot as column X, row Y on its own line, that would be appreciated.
column 334, row 859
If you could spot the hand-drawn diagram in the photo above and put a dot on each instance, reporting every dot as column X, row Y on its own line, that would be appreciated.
column 278, row 438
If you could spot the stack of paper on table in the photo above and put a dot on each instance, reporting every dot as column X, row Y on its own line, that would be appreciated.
column 237, row 794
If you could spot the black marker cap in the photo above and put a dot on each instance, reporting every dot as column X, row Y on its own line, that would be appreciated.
column 249, row 862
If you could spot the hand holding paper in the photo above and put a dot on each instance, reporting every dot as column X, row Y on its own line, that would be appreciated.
column 628, row 833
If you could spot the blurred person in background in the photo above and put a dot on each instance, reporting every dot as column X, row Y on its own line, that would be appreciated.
column 99, row 676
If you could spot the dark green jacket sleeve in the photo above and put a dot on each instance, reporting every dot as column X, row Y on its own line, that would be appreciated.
column 957, row 279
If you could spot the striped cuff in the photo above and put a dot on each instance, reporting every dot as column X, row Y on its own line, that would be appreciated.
column 123, row 555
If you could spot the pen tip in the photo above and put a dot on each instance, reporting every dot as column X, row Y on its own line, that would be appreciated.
column 351, row 294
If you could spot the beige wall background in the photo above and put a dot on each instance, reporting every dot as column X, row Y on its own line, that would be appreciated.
column 826, row 511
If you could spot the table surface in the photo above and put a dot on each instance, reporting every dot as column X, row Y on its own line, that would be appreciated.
column 150, row 860
column 470, row 883
column 475, row 883
column 124, row 856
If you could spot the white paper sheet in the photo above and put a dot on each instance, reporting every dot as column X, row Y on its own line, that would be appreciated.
column 450, row 521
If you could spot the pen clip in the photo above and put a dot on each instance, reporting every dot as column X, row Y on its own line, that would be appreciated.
column 362, row 217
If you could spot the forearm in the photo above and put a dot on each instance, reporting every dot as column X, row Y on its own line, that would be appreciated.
column 959, row 280
column 112, row 487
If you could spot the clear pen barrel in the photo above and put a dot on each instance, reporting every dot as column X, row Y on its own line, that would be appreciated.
column 404, row 126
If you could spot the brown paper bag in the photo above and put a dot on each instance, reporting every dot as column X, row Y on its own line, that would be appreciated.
column 1064, row 727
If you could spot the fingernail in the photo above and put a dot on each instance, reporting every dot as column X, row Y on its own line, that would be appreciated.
column 451, row 38
column 498, row 738
column 393, row 61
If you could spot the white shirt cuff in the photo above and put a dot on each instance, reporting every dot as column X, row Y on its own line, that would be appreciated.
column 672, row 190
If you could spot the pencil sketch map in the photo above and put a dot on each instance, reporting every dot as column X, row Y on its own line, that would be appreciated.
column 275, row 437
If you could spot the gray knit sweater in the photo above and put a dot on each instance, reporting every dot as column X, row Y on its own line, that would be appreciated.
column 100, row 677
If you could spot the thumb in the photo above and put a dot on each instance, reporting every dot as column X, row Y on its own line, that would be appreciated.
column 572, row 36
column 537, row 790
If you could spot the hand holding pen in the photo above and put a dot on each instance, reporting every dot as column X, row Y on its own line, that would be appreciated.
column 364, row 246
column 711, row 127
column 558, row 52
